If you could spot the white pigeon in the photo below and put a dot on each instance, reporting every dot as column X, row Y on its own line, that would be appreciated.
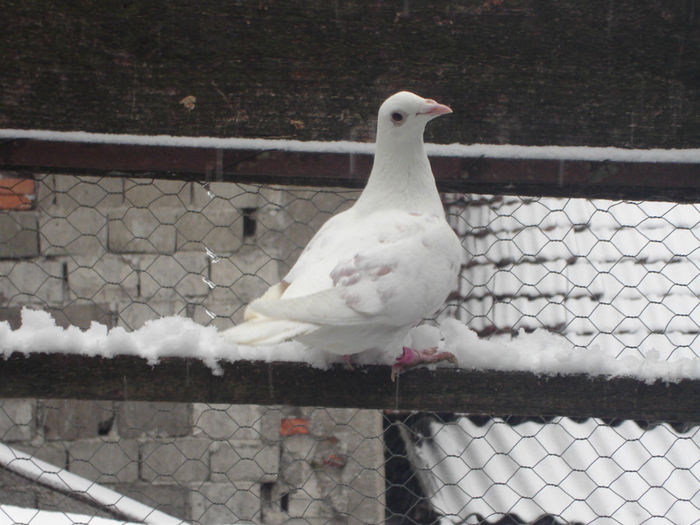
column 375, row 270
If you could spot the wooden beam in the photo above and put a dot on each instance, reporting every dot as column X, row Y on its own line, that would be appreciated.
column 570, row 178
column 529, row 72
column 444, row 389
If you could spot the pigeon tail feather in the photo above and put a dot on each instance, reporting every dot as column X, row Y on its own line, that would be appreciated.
column 326, row 307
column 273, row 292
column 262, row 331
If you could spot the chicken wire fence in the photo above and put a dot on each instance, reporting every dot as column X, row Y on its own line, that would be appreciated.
column 121, row 251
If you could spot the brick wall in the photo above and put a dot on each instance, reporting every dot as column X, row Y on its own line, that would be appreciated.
column 123, row 251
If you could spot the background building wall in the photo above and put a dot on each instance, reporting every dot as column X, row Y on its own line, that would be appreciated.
column 123, row 251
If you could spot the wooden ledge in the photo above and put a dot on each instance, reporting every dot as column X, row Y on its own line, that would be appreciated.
column 533, row 177
column 126, row 378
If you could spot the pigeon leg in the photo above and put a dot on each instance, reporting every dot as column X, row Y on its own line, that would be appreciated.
column 412, row 357
column 348, row 362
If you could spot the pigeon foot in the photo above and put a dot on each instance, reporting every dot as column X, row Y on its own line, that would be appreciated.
column 348, row 362
column 412, row 357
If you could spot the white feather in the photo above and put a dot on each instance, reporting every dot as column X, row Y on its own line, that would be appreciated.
column 372, row 272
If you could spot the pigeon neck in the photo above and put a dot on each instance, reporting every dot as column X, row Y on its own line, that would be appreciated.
column 401, row 178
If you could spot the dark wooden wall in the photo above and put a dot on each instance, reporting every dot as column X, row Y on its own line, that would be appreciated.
column 599, row 72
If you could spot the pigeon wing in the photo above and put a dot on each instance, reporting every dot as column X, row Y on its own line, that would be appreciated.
column 396, row 276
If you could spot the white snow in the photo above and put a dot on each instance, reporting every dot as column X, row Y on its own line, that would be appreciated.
column 502, row 151
column 12, row 515
column 164, row 337
column 540, row 352
column 58, row 478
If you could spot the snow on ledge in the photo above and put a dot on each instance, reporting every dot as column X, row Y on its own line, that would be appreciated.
column 540, row 352
column 499, row 151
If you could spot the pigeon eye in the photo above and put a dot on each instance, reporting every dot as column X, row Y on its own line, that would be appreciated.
column 397, row 117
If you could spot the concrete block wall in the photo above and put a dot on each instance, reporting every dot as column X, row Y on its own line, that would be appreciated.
column 139, row 247
column 123, row 251
column 208, row 463
column 143, row 248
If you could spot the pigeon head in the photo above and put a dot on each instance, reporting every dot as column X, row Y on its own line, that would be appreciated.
column 404, row 115
column 401, row 176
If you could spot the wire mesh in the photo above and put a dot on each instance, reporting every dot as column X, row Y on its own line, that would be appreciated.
column 122, row 251
column 621, row 275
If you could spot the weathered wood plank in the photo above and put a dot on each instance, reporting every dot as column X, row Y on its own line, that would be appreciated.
column 532, row 72
column 444, row 389
column 616, row 180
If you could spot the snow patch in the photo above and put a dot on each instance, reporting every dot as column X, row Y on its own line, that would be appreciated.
column 60, row 479
column 540, row 352
column 12, row 515
column 502, row 151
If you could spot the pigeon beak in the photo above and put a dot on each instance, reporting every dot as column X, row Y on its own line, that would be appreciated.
column 434, row 109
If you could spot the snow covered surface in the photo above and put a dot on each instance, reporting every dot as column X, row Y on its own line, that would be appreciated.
column 583, row 472
column 539, row 352
column 60, row 479
column 11, row 515
column 691, row 155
